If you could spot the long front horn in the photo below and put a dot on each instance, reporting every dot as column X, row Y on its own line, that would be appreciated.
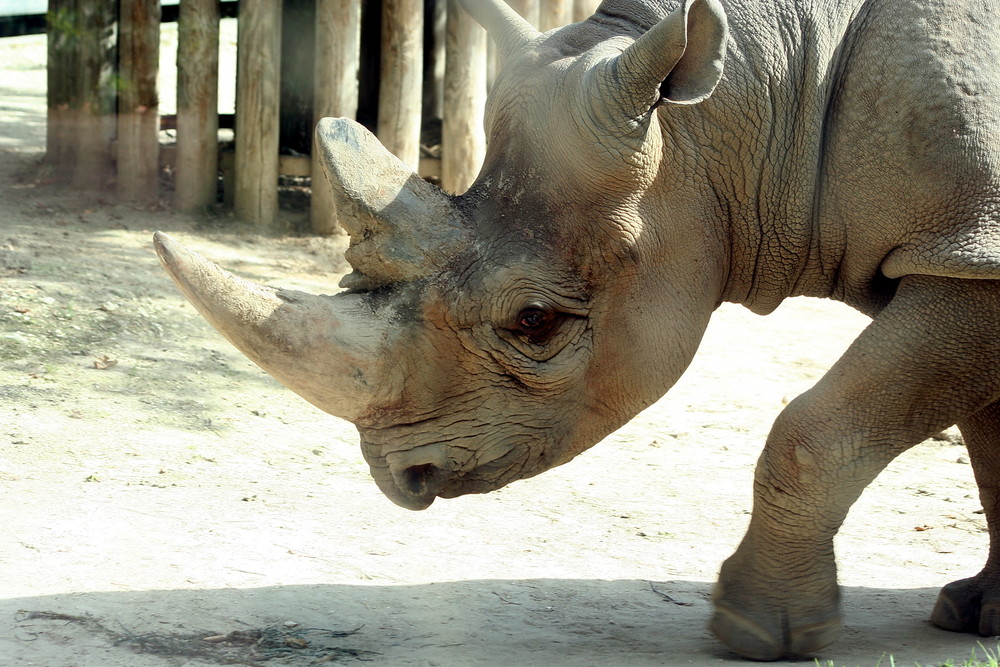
column 324, row 348
column 507, row 28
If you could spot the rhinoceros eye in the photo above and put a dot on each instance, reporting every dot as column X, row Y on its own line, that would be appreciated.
column 537, row 323
column 533, row 319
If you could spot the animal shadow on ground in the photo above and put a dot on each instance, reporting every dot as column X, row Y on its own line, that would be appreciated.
column 483, row 622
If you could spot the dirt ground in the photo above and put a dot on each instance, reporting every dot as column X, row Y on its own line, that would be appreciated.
column 165, row 503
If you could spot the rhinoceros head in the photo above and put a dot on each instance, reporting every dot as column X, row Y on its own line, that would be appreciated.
column 488, row 337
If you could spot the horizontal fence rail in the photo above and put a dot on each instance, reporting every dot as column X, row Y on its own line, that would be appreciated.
column 414, row 71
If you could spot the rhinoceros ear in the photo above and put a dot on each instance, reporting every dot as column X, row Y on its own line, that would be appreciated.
column 402, row 228
column 679, row 60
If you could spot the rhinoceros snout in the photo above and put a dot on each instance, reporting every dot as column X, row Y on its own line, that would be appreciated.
column 417, row 475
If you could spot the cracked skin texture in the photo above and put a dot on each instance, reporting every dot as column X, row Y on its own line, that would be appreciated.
column 841, row 171
column 918, row 177
column 848, row 149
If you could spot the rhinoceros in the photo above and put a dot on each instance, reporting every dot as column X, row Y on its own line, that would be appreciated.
column 644, row 166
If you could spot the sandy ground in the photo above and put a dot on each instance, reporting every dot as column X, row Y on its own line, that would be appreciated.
column 157, row 489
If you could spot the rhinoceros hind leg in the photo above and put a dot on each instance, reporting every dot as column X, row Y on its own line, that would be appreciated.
column 973, row 605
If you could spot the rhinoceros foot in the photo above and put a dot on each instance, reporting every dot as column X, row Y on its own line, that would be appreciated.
column 969, row 605
column 767, row 610
column 766, row 634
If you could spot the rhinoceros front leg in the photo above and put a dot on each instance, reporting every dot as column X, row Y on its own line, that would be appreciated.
column 929, row 359
column 973, row 605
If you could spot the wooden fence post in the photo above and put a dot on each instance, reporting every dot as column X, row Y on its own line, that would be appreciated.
column 435, row 38
column 81, row 91
column 554, row 14
column 61, row 74
column 138, row 105
column 400, row 99
column 338, row 56
column 298, row 68
column 197, row 105
column 583, row 9
column 258, row 74
column 463, row 143
column 95, row 126
column 529, row 9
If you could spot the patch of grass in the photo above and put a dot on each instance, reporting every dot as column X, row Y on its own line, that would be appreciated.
column 991, row 659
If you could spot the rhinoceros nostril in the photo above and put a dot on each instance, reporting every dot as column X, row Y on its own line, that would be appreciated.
column 419, row 480
column 419, row 472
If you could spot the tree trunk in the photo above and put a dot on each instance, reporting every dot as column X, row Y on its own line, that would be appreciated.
column 402, row 74
column 338, row 49
column 138, row 103
column 197, row 105
column 463, row 142
column 258, row 106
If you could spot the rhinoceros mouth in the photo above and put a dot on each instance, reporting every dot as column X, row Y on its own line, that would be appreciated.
column 464, row 487
column 413, row 478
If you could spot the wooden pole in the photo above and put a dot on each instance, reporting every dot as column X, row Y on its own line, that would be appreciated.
column 298, row 68
column 81, row 91
column 583, row 9
column 95, row 126
column 258, row 77
column 338, row 54
column 463, row 143
column 61, row 77
column 401, row 78
column 554, row 14
column 435, row 36
column 97, row 95
column 197, row 105
column 529, row 9
column 138, row 104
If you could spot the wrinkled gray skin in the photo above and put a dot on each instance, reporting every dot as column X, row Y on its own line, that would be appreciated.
column 747, row 151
